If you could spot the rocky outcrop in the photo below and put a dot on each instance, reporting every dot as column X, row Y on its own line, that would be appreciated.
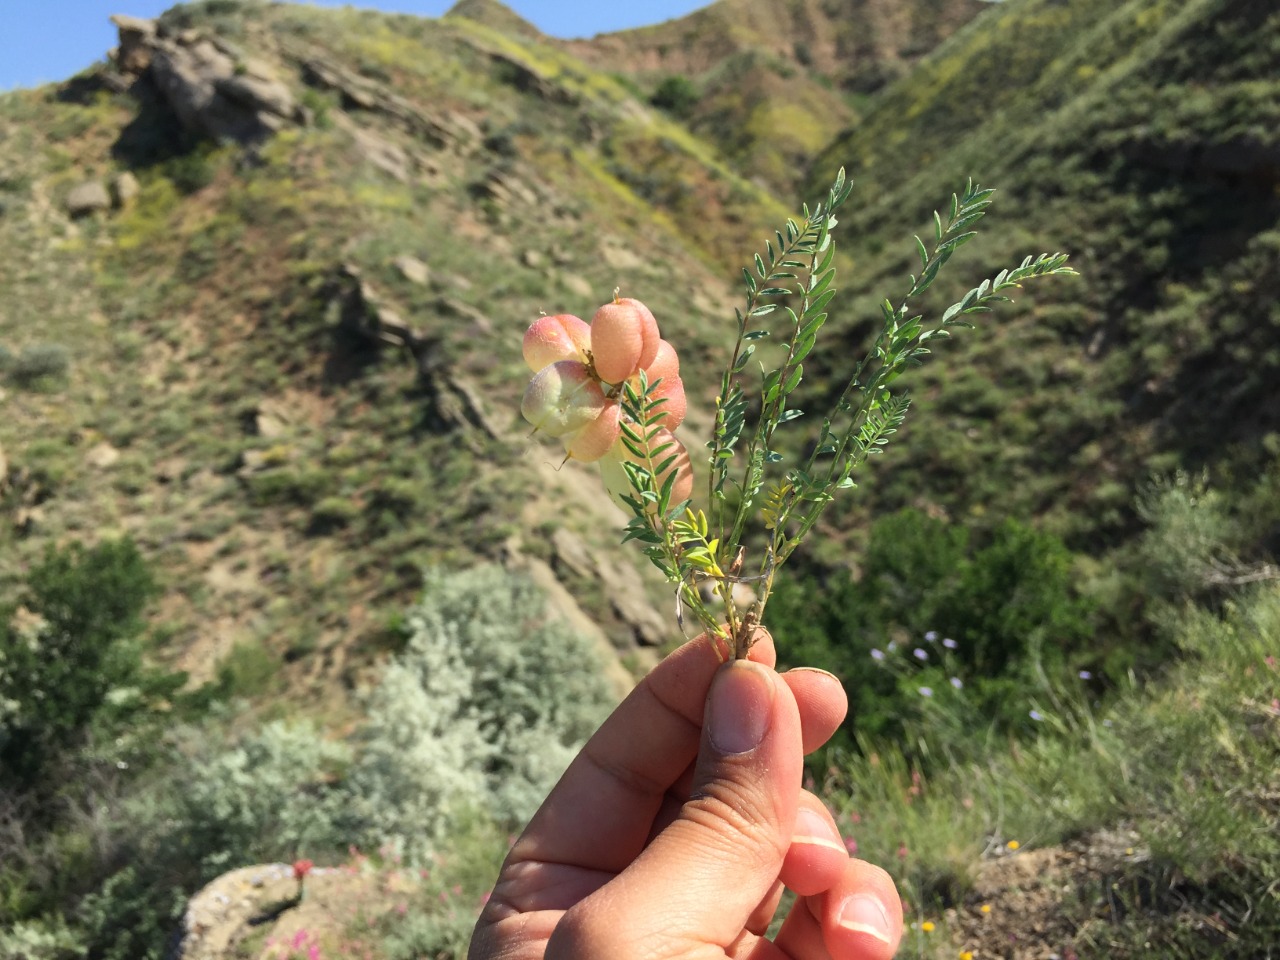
column 211, row 88
column 573, row 559
column 240, row 911
column 364, row 313
column 527, row 80
column 124, row 188
column 88, row 198
column 362, row 93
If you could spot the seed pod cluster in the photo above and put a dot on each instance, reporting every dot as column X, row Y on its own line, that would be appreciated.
column 581, row 371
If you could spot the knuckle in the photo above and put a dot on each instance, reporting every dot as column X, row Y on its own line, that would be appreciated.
column 582, row 933
column 736, row 813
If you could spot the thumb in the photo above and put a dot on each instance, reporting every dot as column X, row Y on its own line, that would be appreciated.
column 702, row 877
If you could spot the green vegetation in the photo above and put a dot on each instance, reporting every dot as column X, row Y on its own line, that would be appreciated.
column 223, row 456
column 934, row 612
column 1164, row 790
column 72, row 669
column 507, row 694
column 677, row 95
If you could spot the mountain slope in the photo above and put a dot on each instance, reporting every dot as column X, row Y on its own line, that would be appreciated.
column 1142, row 138
column 293, row 371
column 857, row 44
column 265, row 279
column 767, row 82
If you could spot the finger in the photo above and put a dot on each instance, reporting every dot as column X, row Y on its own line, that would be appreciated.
column 760, row 918
column 823, row 705
column 861, row 914
column 599, row 815
column 701, row 879
column 817, row 857
column 801, row 935
column 822, row 701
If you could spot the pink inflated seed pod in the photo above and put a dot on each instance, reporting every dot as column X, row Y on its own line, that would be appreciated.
column 664, row 445
column 593, row 441
column 670, row 413
column 664, row 364
column 562, row 398
column 559, row 337
column 617, row 341
column 650, row 338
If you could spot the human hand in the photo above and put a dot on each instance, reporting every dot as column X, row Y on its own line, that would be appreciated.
column 672, row 833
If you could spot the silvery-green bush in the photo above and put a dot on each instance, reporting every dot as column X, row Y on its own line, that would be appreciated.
column 40, row 940
column 271, row 796
column 481, row 712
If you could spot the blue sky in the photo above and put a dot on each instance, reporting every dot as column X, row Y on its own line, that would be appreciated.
column 48, row 40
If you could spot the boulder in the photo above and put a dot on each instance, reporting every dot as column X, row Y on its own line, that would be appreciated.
column 382, row 153
column 88, row 198
column 124, row 188
column 453, row 307
column 577, row 285
column 102, row 455
column 212, row 89
column 215, row 96
column 412, row 269
column 258, row 93
column 133, row 56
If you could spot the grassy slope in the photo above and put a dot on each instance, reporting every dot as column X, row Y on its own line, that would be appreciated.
column 773, row 79
column 1140, row 137
column 187, row 311
column 1147, row 828
column 207, row 298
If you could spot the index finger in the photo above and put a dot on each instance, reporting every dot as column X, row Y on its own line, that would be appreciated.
column 599, row 815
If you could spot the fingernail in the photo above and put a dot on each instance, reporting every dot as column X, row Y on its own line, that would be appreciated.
column 741, row 707
column 813, row 828
column 864, row 914
column 818, row 670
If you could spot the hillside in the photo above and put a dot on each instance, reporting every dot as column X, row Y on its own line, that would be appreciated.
column 857, row 45
column 281, row 379
column 266, row 273
column 766, row 82
column 1128, row 134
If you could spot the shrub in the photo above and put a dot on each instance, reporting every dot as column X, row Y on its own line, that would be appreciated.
column 271, row 796
column 40, row 941
column 1015, row 591
column 194, row 170
column 997, row 618
column 248, row 670
column 332, row 513
column 39, row 365
column 1185, row 549
column 483, row 710
column 82, row 660
column 676, row 95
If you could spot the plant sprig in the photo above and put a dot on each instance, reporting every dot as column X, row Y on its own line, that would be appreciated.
column 795, row 276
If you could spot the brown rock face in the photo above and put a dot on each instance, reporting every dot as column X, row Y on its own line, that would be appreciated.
column 213, row 92
column 88, row 198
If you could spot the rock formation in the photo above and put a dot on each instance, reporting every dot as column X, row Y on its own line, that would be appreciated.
column 211, row 88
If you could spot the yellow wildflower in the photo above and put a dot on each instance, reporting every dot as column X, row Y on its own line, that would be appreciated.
column 1014, row 844
column 985, row 908
column 927, row 926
